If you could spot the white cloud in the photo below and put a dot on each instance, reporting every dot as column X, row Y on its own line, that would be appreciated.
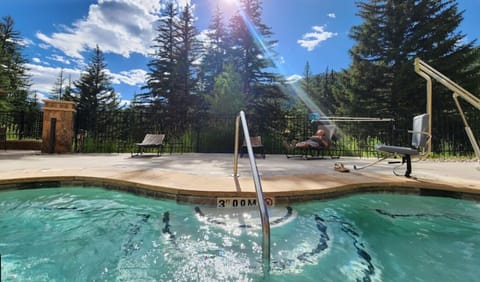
column 293, row 78
column 60, row 59
column 25, row 42
column 183, row 3
column 44, row 46
column 131, row 77
column 44, row 78
column 117, row 26
column 125, row 103
column 203, row 37
column 332, row 15
column 312, row 39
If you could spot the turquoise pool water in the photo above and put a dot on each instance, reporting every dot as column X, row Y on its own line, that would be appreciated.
column 87, row 234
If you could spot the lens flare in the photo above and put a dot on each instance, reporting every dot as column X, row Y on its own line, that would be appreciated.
column 293, row 88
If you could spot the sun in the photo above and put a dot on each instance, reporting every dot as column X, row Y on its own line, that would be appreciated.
column 227, row 6
column 228, row 3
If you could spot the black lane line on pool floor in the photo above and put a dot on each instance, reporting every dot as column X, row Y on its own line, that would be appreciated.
column 129, row 246
column 348, row 228
column 418, row 215
column 306, row 257
column 322, row 242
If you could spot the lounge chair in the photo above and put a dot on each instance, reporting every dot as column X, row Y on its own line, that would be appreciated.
column 420, row 138
column 257, row 146
column 151, row 141
column 309, row 152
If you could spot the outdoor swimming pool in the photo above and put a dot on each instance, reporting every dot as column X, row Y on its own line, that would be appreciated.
column 84, row 234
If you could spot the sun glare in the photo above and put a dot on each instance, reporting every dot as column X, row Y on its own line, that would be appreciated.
column 227, row 6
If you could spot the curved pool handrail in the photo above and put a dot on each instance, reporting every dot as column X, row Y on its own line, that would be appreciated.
column 258, row 187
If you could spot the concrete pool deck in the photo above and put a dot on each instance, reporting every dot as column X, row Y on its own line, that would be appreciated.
column 210, row 175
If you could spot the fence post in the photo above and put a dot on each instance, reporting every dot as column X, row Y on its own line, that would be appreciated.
column 22, row 125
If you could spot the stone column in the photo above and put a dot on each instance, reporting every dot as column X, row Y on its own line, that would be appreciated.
column 57, row 132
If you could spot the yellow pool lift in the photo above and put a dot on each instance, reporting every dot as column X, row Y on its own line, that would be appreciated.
column 428, row 72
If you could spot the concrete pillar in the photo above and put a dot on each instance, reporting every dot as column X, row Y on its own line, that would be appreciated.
column 57, row 116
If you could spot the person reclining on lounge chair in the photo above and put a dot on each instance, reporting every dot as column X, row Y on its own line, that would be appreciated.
column 316, row 141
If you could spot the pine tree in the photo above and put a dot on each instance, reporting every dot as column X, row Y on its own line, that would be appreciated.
column 14, row 80
column 214, row 57
column 170, row 83
column 187, row 51
column 139, row 102
column 342, row 94
column 323, row 86
column 57, row 91
column 93, row 92
column 227, row 93
column 67, row 91
column 394, row 32
column 307, row 81
column 369, row 95
column 161, row 76
column 251, row 48
column 252, row 53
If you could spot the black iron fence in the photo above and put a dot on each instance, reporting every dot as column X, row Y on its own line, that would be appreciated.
column 22, row 125
column 119, row 131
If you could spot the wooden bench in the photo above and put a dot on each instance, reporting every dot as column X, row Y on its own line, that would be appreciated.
column 257, row 146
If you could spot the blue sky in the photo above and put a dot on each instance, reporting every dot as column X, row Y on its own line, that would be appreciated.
column 60, row 34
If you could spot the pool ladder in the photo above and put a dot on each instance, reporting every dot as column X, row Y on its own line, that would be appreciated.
column 258, row 188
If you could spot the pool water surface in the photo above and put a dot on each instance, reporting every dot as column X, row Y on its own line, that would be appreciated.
column 85, row 234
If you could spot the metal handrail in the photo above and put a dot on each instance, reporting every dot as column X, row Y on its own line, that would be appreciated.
column 258, row 188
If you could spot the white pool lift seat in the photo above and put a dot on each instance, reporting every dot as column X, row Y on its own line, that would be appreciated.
column 420, row 138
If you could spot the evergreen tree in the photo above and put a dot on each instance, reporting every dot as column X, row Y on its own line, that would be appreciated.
column 139, row 103
column 215, row 56
column 187, row 51
column 307, row 81
column 394, row 32
column 33, row 104
column 342, row 94
column 319, row 88
column 67, row 91
column 14, row 81
column 324, row 85
column 161, row 76
column 93, row 92
column 171, row 79
column 227, row 93
column 476, row 68
column 251, row 48
column 57, row 91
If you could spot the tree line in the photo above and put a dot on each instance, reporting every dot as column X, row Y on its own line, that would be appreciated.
column 381, row 80
column 232, row 69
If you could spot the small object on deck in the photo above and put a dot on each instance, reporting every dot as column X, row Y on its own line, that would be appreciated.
column 340, row 167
